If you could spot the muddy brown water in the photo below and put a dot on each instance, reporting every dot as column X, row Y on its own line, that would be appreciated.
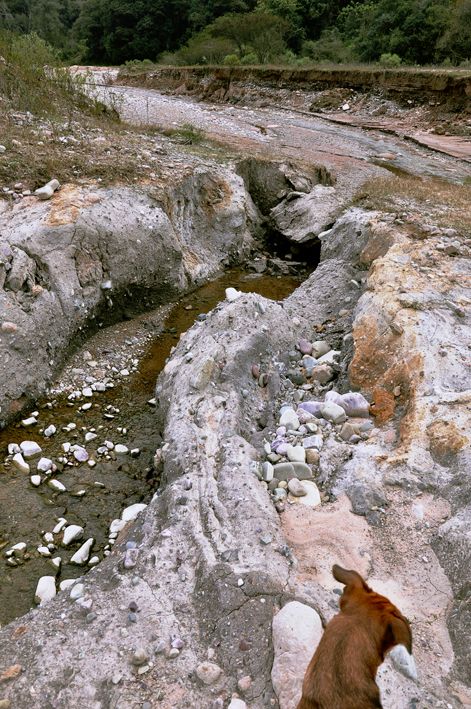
column 26, row 512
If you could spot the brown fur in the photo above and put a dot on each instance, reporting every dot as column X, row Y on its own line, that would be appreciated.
column 341, row 674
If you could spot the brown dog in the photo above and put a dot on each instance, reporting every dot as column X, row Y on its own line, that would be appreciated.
column 341, row 674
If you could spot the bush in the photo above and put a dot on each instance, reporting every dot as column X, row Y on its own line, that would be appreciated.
column 250, row 58
column 329, row 48
column 390, row 60
column 204, row 49
column 32, row 79
column 231, row 60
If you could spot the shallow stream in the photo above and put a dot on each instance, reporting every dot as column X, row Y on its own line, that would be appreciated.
column 128, row 358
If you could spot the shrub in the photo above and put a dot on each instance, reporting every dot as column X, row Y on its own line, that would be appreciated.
column 250, row 58
column 204, row 49
column 329, row 48
column 390, row 60
column 231, row 60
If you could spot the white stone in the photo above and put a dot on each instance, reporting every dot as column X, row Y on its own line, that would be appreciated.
column 232, row 294
column 320, row 348
column 13, row 449
column 30, row 449
column 66, row 583
column 330, row 357
column 44, row 465
column 296, row 631
column 80, row 454
column 312, row 498
column 60, row 525
column 45, row 590
column 90, row 436
column 48, row 537
column 86, row 407
column 20, row 463
column 315, row 441
column 56, row 485
column 130, row 513
column 237, row 703
column 29, row 421
column 94, row 561
column 50, row 431
column 44, row 551
column 20, row 546
column 82, row 554
column 404, row 662
column 87, row 391
column 47, row 190
column 289, row 418
column 77, row 591
column 56, row 562
column 99, row 386
column 71, row 534
column 120, row 449
column 117, row 525
column 296, row 454
column 35, row 480
column 66, row 447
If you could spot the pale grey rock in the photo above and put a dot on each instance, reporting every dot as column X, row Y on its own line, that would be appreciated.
column 312, row 497
column 50, row 431
column 35, row 480
column 208, row 672
column 44, row 465
column 56, row 485
column 47, row 190
column 296, row 454
column 333, row 412
column 296, row 488
column 297, row 630
column 289, row 419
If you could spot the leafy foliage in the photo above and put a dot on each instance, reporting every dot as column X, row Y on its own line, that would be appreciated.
column 117, row 31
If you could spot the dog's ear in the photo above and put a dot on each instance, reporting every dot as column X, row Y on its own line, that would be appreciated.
column 349, row 578
column 398, row 632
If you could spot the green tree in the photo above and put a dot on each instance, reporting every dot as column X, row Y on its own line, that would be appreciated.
column 456, row 41
column 260, row 32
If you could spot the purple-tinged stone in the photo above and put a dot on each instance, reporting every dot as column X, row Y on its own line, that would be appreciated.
column 312, row 407
column 304, row 346
column 81, row 454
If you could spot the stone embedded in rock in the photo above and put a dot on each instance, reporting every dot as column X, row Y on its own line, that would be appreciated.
column 315, row 441
column 117, row 525
column 71, row 533
column 47, row 190
column 20, row 463
column 77, row 591
column 208, row 672
column 281, row 471
column 267, row 471
column 312, row 407
column 296, row 454
column 45, row 590
column 312, row 456
column 289, row 419
column 202, row 378
column 333, row 412
column 296, row 488
column 302, row 471
column 322, row 373
column 297, row 630
column 82, row 554
column 232, row 294
column 312, row 497
column 304, row 346
column 130, row 513
column 330, row 357
column 319, row 348
column 237, row 703
column 355, row 404
column 30, row 449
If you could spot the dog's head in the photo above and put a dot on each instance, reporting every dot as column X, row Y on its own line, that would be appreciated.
column 393, row 628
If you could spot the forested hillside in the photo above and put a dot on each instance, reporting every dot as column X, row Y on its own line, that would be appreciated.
column 248, row 31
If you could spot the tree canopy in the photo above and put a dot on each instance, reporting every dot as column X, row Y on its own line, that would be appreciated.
column 116, row 31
